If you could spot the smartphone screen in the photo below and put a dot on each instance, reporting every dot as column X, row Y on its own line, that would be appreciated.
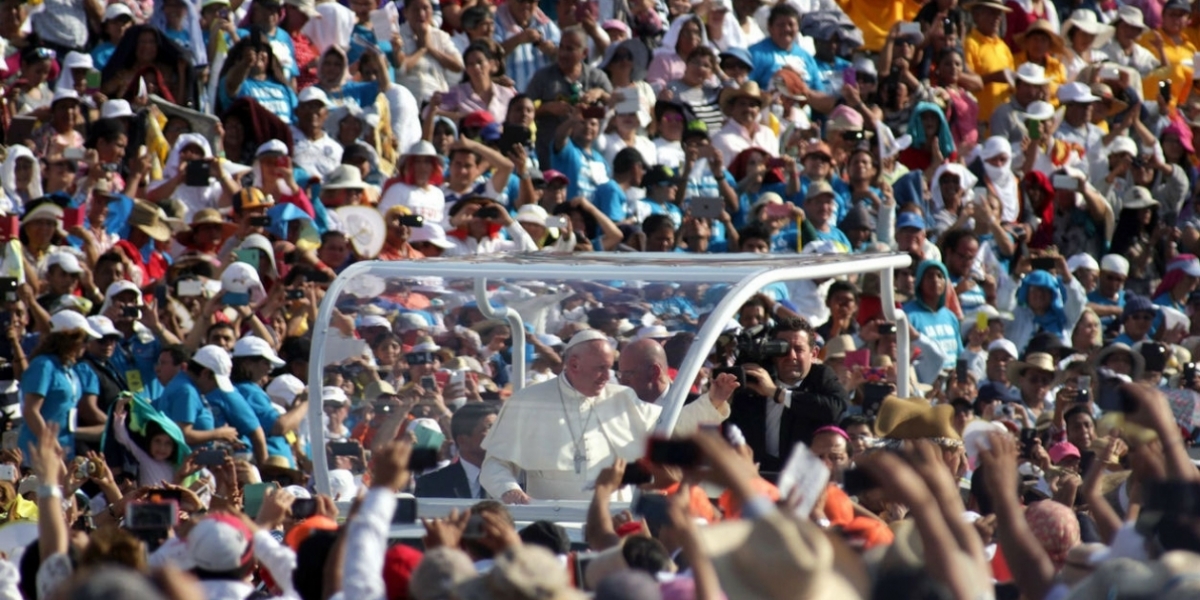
column 960, row 370
column 252, row 497
column 849, row 76
column 682, row 453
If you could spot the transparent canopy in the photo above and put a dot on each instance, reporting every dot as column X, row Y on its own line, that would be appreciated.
column 438, row 333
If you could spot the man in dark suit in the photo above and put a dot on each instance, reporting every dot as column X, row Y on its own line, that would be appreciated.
column 460, row 479
column 776, row 412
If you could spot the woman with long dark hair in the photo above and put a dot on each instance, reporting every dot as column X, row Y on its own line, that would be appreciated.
column 483, row 63
column 1137, row 238
column 251, row 70
column 145, row 53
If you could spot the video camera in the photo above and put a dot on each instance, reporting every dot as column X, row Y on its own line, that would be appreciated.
column 755, row 345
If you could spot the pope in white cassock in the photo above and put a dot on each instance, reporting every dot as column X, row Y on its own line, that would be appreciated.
column 561, row 433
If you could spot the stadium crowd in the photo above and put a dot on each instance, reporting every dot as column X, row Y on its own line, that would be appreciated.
column 182, row 181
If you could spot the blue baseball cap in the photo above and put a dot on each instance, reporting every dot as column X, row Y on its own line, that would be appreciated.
column 909, row 219
column 1135, row 304
column 740, row 54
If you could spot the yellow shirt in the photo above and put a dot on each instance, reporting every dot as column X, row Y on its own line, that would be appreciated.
column 1056, row 72
column 986, row 55
column 876, row 17
column 1175, row 71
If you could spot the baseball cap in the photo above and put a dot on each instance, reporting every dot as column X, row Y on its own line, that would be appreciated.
column 65, row 261
column 818, row 188
column 1115, row 263
column 1076, row 92
column 1005, row 346
column 551, row 176
column 283, row 389
column 271, row 147
column 1136, row 303
column 69, row 320
column 220, row 543
column 1123, row 145
column 313, row 93
column 1062, row 450
column 1082, row 260
column 1188, row 263
column 334, row 394
column 477, row 120
column 910, row 220
column 217, row 360
column 432, row 233
column 116, row 9
column 104, row 326
column 256, row 346
column 112, row 109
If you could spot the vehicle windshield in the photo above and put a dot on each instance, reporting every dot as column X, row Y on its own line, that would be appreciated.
column 414, row 354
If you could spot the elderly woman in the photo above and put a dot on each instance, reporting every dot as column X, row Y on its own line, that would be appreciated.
column 51, row 385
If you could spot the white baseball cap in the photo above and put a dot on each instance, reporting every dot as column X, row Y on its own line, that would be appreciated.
column 220, row 543
column 104, row 325
column 373, row 321
column 1075, row 92
column 65, row 261
column 283, row 389
column 217, row 360
column 1188, row 264
column 1032, row 74
column 313, row 93
column 1082, row 261
column 112, row 109
column 432, row 233
column 116, row 9
column 1005, row 345
column 69, row 320
column 1115, row 263
column 258, row 347
column 241, row 278
column 334, row 394
column 1123, row 144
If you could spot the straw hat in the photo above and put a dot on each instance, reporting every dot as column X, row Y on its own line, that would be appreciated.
column 205, row 216
column 992, row 4
column 748, row 89
column 914, row 419
column 1086, row 21
column 1042, row 26
column 150, row 219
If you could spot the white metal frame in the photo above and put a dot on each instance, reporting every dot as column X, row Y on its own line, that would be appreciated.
column 747, row 276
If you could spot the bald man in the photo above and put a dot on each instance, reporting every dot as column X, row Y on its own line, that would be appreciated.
column 643, row 367
column 561, row 433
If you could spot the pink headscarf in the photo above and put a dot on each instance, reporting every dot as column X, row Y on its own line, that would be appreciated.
column 1056, row 527
column 1183, row 132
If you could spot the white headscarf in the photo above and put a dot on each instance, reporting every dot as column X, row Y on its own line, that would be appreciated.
column 198, row 51
column 332, row 28
column 185, row 139
column 672, row 37
column 9, row 179
column 966, row 181
column 1004, row 182
column 74, row 60
column 732, row 35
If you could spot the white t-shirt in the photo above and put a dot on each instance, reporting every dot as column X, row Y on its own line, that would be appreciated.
column 429, row 202
column 428, row 75
column 195, row 198
column 670, row 154
column 319, row 157
column 610, row 144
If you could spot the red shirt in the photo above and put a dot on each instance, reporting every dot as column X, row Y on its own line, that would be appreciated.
column 151, row 272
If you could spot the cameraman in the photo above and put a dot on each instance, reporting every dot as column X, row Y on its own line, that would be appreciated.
column 775, row 412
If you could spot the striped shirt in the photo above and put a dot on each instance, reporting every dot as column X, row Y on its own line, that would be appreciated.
column 526, row 59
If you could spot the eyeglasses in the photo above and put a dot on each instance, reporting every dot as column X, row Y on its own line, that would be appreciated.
column 673, row 118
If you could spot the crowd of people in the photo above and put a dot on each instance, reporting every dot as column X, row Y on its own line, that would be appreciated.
column 183, row 180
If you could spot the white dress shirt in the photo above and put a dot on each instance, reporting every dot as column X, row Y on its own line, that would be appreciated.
column 472, row 472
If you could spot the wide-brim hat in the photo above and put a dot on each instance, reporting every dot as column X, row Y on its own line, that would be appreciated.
column 344, row 177
column 1042, row 26
column 1138, row 197
column 364, row 227
column 914, row 419
column 996, row 4
column 775, row 557
column 206, row 216
column 1103, row 91
column 150, row 219
column 1139, row 362
column 639, row 53
column 1086, row 21
column 278, row 465
column 748, row 89
column 1038, row 360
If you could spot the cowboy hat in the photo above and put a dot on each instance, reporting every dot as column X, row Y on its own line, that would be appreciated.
column 913, row 419
column 1041, row 361
column 278, row 465
column 205, row 216
column 748, row 89
column 992, row 4
column 150, row 220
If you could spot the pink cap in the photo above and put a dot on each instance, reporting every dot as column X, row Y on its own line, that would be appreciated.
column 1063, row 450
column 615, row 24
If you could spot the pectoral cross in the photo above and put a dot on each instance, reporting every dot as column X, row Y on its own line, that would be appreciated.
column 580, row 461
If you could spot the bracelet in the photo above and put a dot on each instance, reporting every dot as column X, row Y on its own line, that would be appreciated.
column 50, row 491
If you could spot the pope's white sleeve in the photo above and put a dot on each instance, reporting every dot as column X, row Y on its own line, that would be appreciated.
column 697, row 413
column 367, row 534
column 278, row 559
column 498, row 476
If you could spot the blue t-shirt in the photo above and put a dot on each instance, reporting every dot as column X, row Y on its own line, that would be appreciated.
column 101, row 53
column 611, row 201
column 182, row 402
column 182, row 37
column 136, row 359
column 275, row 97
column 769, row 58
column 61, row 390
column 230, row 408
column 941, row 327
column 264, row 411
column 362, row 37
column 1095, row 298
column 586, row 172
column 282, row 37
column 362, row 92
